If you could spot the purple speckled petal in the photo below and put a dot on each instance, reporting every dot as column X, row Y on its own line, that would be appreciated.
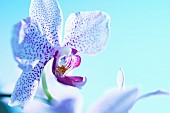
column 28, row 44
column 34, row 42
column 26, row 85
column 49, row 17
column 87, row 32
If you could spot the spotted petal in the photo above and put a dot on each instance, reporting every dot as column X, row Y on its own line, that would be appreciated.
column 33, row 42
column 87, row 31
column 26, row 85
column 49, row 16
column 28, row 44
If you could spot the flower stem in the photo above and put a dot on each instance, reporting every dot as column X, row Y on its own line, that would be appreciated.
column 5, row 95
column 45, row 88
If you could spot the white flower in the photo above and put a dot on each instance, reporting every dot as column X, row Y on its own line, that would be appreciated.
column 121, row 99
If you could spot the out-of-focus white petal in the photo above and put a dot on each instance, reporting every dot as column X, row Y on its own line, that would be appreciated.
column 87, row 32
column 116, row 101
column 65, row 106
column 37, row 106
column 120, row 79
column 49, row 16
column 121, row 101
column 154, row 93
column 68, row 97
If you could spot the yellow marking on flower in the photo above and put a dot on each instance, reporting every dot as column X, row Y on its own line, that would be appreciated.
column 61, row 70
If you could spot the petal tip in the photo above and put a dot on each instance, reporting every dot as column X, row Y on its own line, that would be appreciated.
column 15, row 103
column 80, row 84
column 120, row 78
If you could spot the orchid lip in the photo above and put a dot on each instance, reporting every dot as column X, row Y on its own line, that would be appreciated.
column 63, row 67
column 75, row 81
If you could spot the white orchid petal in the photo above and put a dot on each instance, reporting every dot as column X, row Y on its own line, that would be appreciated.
column 87, row 32
column 49, row 16
column 26, row 86
column 116, row 101
column 33, row 46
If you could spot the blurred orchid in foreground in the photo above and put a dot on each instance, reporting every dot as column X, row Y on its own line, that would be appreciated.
column 38, row 38
column 69, row 104
column 116, row 100
column 121, row 99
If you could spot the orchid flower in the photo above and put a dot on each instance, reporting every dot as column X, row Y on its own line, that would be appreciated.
column 37, row 106
column 38, row 39
column 121, row 99
column 68, row 104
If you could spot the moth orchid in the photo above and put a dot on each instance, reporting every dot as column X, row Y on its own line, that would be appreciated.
column 38, row 39
column 121, row 99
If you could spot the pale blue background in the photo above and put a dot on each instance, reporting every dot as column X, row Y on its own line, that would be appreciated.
column 139, row 42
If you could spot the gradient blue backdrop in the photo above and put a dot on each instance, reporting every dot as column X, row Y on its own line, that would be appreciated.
column 139, row 42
